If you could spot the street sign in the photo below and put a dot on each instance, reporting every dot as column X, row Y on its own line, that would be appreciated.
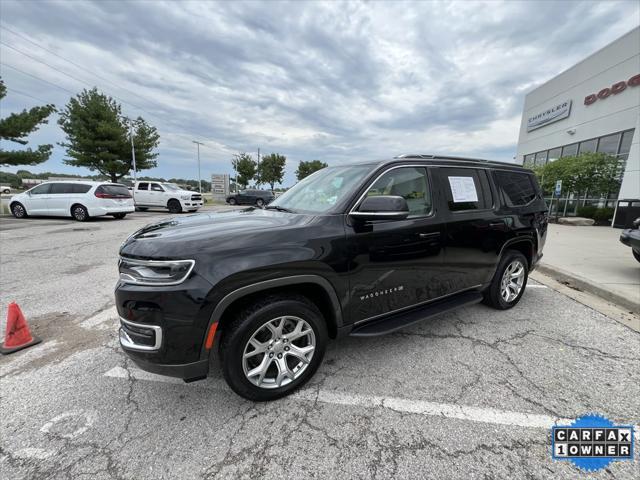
column 558, row 189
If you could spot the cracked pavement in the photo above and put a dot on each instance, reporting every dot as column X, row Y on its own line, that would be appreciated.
column 76, row 407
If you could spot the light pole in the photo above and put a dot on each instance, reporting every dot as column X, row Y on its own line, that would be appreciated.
column 199, row 179
column 133, row 153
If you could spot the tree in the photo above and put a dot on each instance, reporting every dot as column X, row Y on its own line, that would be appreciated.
column 307, row 168
column 246, row 168
column 596, row 173
column 98, row 136
column 16, row 127
column 272, row 169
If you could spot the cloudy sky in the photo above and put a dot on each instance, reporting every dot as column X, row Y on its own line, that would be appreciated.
column 311, row 80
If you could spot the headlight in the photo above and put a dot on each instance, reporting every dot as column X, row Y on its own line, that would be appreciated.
column 185, row 197
column 154, row 272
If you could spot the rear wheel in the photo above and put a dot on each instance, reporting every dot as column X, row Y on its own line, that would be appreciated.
column 273, row 347
column 18, row 210
column 80, row 213
column 232, row 201
column 174, row 206
column 260, row 203
column 636, row 255
column 119, row 216
column 142, row 209
column 509, row 282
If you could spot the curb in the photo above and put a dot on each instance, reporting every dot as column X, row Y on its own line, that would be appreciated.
column 575, row 281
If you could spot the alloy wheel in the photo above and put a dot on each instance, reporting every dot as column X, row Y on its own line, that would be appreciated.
column 278, row 352
column 18, row 211
column 512, row 281
column 79, row 213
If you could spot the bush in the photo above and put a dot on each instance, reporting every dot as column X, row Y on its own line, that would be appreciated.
column 587, row 211
column 603, row 214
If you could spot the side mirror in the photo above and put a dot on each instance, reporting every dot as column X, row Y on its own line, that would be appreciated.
column 382, row 207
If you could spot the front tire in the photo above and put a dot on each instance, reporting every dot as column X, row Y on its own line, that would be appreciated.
column 79, row 213
column 18, row 210
column 232, row 201
column 260, row 203
column 174, row 206
column 273, row 347
column 509, row 282
column 119, row 216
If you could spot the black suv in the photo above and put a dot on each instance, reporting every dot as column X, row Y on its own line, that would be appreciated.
column 361, row 249
column 250, row 197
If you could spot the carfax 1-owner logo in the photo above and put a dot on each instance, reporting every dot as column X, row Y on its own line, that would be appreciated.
column 592, row 442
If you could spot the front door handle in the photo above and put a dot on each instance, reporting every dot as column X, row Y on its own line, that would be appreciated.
column 496, row 224
column 429, row 235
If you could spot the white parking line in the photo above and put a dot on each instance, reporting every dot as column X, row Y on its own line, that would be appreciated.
column 530, row 285
column 402, row 405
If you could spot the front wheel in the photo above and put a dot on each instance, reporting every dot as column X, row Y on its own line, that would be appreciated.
column 174, row 206
column 18, row 210
column 273, row 347
column 119, row 216
column 232, row 201
column 260, row 203
column 636, row 255
column 509, row 282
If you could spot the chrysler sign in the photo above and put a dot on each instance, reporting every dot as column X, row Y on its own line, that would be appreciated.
column 553, row 114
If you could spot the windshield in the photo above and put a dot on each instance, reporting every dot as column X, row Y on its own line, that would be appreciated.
column 321, row 191
column 171, row 186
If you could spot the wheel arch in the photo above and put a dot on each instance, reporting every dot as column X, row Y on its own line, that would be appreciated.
column 74, row 204
column 524, row 245
column 314, row 287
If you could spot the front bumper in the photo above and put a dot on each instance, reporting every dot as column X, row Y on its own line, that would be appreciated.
column 186, row 371
column 631, row 238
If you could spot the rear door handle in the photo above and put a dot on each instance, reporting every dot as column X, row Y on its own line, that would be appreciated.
column 429, row 235
column 496, row 224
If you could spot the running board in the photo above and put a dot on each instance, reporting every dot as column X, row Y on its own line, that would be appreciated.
column 404, row 319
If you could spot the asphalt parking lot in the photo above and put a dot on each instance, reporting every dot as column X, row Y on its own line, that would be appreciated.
column 467, row 395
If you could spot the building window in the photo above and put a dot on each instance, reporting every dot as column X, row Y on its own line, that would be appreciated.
column 589, row 145
column 609, row 144
column 625, row 144
column 570, row 150
column 541, row 158
column 554, row 154
column 528, row 160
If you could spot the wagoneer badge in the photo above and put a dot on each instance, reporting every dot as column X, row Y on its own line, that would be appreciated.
column 379, row 293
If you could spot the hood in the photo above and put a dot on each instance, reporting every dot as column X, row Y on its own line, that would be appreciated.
column 211, row 231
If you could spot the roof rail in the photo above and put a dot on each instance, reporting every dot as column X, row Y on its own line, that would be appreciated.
column 414, row 155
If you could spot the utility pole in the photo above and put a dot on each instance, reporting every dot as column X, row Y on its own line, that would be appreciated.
column 199, row 179
column 133, row 153
column 259, row 182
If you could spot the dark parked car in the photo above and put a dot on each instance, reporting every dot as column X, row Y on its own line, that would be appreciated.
column 631, row 238
column 251, row 197
column 361, row 249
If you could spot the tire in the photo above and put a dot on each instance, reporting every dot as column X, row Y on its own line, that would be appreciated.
column 174, row 206
column 495, row 295
column 79, row 213
column 18, row 210
column 259, row 203
column 251, row 323
column 232, row 201
column 142, row 209
column 6, row 191
column 119, row 216
column 636, row 255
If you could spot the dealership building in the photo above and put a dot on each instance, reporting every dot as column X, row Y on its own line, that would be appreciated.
column 593, row 106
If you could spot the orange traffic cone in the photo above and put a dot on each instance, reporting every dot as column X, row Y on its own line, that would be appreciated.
column 17, row 335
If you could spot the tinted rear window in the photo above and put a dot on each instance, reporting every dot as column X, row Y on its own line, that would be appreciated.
column 517, row 188
column 80, row 188
column 57, row 188
column 114, row 190
column 466, row 189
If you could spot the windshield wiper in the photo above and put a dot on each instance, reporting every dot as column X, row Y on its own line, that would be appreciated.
column 279, row 208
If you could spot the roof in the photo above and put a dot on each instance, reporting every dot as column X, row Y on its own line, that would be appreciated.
column 445, row 159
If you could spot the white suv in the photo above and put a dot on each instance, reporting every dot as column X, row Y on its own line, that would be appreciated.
column 165, row 195
column 77, row 199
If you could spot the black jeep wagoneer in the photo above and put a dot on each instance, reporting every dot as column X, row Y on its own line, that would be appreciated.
column 359, row 249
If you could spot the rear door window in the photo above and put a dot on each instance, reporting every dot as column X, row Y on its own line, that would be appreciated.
column 466, row 189
column 143, row 186
column 80, row 188
column 61, row 188
column 517, row 188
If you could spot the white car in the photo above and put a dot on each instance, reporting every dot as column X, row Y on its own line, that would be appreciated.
column 5, row 189
column 165, row 195
column 78, row 199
